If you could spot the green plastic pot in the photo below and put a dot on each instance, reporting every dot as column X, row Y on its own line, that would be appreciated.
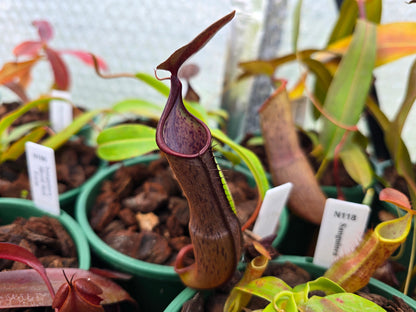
column 11, row 208
column 375, row 286
column 153, row 285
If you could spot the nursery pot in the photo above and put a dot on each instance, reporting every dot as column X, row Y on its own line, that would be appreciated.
column 374, row 285
column 153, row 285
column 11, row 208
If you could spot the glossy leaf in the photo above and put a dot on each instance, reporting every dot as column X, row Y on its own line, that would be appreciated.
column 265, row 287
column 31, row 291
column 60, row 71
column 347, row 94
column 57, row 140
column 156, row 84
column 341, row 302
column 126, row 141
column 250, row 159
column 16, row 253
column 139, row 107
column 394, row 41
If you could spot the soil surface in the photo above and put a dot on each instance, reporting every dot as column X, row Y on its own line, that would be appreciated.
column 292, row 275
column 75, row 160
column 142, row 212
column 45, row 237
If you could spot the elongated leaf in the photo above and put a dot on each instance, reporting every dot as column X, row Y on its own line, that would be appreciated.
column 296, row 25
column 56, row 140
column 268, row 67
column 8, row 119
column 357, row 165
column 29, row 287
column 348, row 16
column 394, row 41
column 60, row 70
column 349, row 88
column 21, row 130
column 139, row 107
column 126, row 141
column 408, row 102
column 154, row 83
column 18, row 148
column 17, row 253
column 250, row 159
column 341, row 302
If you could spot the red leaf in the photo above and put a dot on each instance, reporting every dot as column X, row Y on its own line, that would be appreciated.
column 45, row 30
column 17, row 253
column 397, row 198
column 86, row 57
column 30, row 48
column 28, row 287
column 59, row 69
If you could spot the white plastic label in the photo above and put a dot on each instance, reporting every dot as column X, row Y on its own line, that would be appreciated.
column 42, row 177
column 271, row 208
column 342, row 228
column 60, row 112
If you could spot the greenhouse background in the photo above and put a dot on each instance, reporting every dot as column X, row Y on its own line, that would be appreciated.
column 135, row 36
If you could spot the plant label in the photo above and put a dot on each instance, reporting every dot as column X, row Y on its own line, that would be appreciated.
column 269, row 214
column 342, row 228
column 42, row 177
column 60, row 112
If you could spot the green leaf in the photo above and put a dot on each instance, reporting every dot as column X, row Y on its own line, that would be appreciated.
column 408, row 101
column 126, row 141
column 349, row 88
column 357, row 165
column 139, row 107
column 57, row 140
column 250, row 159
column 8, row 119
column 296, row 24
column 346, row 302
column 18, row 147
column 348, row 16
column 154, row 83
column 265, row 287
column 19, row 131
